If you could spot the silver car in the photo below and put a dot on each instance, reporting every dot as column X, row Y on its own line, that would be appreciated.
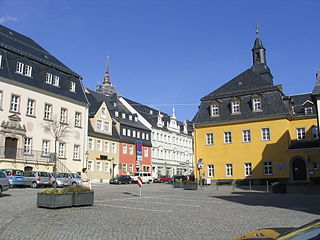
column 65, row 179
column 4, row 183
column 35, row 179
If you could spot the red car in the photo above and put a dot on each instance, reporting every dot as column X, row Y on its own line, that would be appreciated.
column 162, row 179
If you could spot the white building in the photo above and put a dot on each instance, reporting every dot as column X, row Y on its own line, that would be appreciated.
column 172, row 141
column 38, row 92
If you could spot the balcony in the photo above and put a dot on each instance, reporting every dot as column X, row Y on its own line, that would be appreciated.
column 21, row 155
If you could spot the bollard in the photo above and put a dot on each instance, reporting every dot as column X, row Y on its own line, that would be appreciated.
column 267, row 186
column 249, row 186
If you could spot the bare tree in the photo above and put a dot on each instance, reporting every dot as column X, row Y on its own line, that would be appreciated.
column 59, row 131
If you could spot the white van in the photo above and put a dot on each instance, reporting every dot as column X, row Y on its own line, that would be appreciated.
column 145, row 176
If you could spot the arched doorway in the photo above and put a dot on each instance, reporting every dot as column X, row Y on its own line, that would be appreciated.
column 299, row 169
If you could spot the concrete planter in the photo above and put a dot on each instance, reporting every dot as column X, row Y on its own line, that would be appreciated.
column 83, row 199
column 54, row 200
column 177, row 184
column 188, row 186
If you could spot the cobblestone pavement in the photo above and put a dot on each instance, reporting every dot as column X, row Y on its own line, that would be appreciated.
column 161, row 213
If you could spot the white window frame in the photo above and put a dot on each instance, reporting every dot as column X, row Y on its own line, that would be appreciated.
column 28, row 145
column 124, row 149
column 91, row 143
column 62, row 150
column 106, row 126
column 1, row 60
column 99, row 145
column 131, row 150
column 235, row 107
column 146, row 152
column 129, row 132
column 124, row 168
column 77, row 119
column 256, row 104
column 47, row 111
column 107, row 166
column 45, row 147
column 246, row 136
column 114, row 147
column 229, row 170
column 1, row 99
column 28, row 71
column 76, row 152
column 63, row 115
column 308, row 111
column 134, row 133
column 31, row 107
column 267, row 168
column 72, row 86
column 15, row 103
column 19, row 67
column 301, row 133
column 138, row 134
column 211, row 170
column 209, row 139
column 106, row 146
column 89, row 166
column 99, row 125
column 265, row 134
column 98, row 166
column 55, row 81
column 227, row 137
column 49, row 78
column 248, row 169
column 214, row 110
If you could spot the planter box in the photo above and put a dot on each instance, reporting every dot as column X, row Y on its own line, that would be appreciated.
column 54, row 200
column 83, row 199
column 177, row 184
column 190, row 186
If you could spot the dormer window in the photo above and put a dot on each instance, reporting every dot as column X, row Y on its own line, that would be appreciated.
column 235, row 107
column 308, row 111
column 55, row 81
column 24, row 69
column 130, row 117
column 151, row 112
column 136, row 119
column 256, row 104
column 0, row 60
column 123, row 115
column 116, row 113
column 214, row 110
column 28, row 71
column 19, row 67
column 49, row 78
column 72, row 86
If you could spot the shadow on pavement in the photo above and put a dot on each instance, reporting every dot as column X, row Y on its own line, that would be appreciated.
column 303, row 203
column 129, row 193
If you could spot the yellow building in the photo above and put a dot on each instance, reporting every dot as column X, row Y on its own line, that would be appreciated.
column 249, row 129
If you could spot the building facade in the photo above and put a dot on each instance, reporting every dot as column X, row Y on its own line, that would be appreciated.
column 248, row 129
column 38, row 96
column 172, row 141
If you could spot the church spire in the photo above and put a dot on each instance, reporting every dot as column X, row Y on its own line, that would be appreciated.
column 259, row 58
column 107, row 76
column 106, row 87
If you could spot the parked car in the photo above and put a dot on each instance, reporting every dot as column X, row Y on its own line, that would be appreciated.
column 162, row 179
column 145, row 176
column 35, row 179
column 4, row 183
column 123, row 179
column 15, row 177
column 310, row 231
column 65, row 179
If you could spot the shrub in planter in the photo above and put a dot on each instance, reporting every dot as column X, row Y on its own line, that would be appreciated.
column 178, row 184
column 190, row 185
column 53, row 198
column 82, row 196
column 278, row 187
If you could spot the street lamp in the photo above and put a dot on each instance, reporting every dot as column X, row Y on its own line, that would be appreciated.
column 86, row 157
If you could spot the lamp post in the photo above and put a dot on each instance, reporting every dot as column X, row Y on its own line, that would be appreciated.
column 86, row 158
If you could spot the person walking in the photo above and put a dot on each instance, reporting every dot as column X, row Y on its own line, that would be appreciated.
column 85, row 179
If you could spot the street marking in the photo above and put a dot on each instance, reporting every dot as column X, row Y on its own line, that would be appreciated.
column 135, row 208
column 176, row 204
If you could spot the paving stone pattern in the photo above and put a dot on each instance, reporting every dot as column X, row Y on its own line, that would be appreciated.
column 162, row 213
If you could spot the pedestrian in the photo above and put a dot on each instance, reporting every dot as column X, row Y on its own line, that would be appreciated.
column 85, row 179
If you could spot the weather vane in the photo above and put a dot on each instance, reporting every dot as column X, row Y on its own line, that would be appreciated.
column 257, row 29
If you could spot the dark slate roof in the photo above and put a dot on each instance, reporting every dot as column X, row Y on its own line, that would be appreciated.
column 244, row 83
column 299, row 144
column 258, row 44
column 151, row 115
column 316, row 89
column 23, row 45
column 300, row 102
column 17, row 47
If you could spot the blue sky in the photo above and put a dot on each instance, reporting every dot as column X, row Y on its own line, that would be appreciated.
column 171, row 53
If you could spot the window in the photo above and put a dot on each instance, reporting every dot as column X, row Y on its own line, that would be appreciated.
column 301, row 133
column 147, row 136
column 107, row 167
column 267, row 166
column 19, row 67
column 131, row 150
column 124, row 131
column 209, row 138
column 146, row 152
column 134, row 133
column 91, row 146
column 129, row 133
column 99, row 145
column 124, row 149
column 123, row 115
column 62, row 150
column 214, row 110
column 98, row 166
column 246, row 136
column 210, row 170
column 124, row 168
column 89, row 165
column 28, row 71
column 49, row 78
column 30, row 107
column 45, row 147
column 315, row 165
column 235, row 107
column 227, row 137
column 55, row 81
column 99, row 124
column 130, row 168
column 103, row 111
column 77, row 119
column 72, row 86
column 0, row 61
column 256, row 104
column 1, row 99
column 265, row 134
column 308, row 111
column 47, row 111
column 247, row 169
column 28, row 145
column 106, row 147
column 114, row 147
column 116, row 113
column 136, row 119
column 315, row 132
column 138, row 134
column 76, row 152
column 63, row 115
column 130, row 117
column 229, row 170
column 15, row 103
column 143, row 135
column 106, row 126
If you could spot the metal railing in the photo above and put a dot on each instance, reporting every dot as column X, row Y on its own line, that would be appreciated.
column 21, row 154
